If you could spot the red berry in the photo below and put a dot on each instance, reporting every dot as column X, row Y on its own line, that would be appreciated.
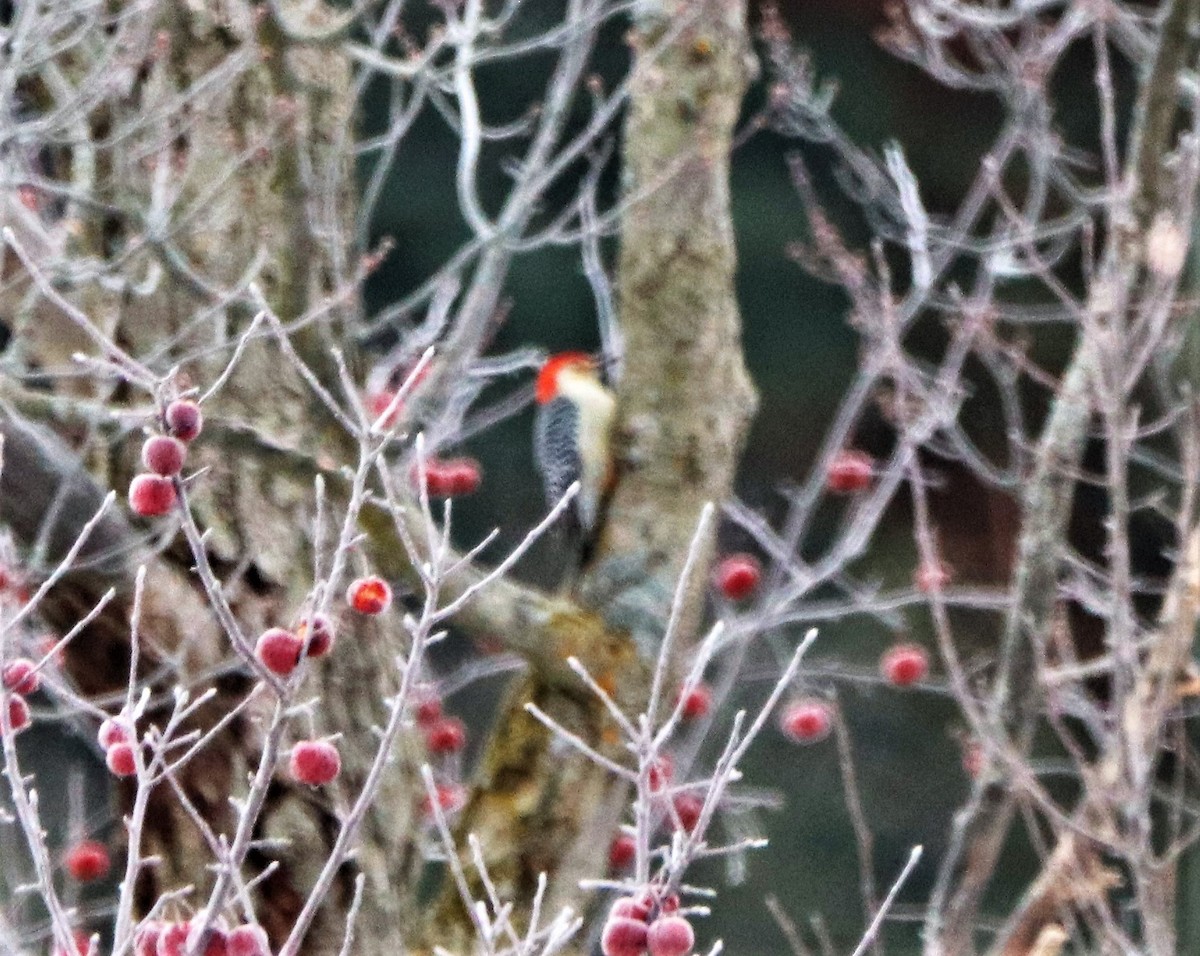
column 88, row 861
column 449, row 477
column 630, row 907
column 377, row 404
column 688, row 807
column 322, row 635
column 215, row 941
column 184, row 419
column 81, row 942
column 18, row 713
column 463, row 477
column 172, row 941
column 623, row 936
column 697, row 702
column 145, row 941
column 369, row 595
column 931, row 578
column 121, row 760
column 112, row 733
column 662, row 772
column 621, row 852
column 437, row 478
column 807, row 721
column 451, row 797
column 163, row 455
column 21, row 676
column 850, row 471
column 315, row 762
column 47, row 646
column 904, row 664
column 428, row 710
column 279, row 650
column 247, row 941
column 446, row 735
column 670, row 936
column 738, row 576
column 151, row 496
column 973, row 758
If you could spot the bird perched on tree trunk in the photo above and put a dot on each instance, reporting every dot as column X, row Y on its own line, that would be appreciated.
column 573, row 440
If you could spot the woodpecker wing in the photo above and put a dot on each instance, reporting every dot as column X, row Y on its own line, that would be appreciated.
column 556, row 447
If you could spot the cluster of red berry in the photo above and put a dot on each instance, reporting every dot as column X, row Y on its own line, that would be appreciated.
column 685, row 807
column 280, row 650
column 808, row 720
column 317, row 762
column 444, row 734
column 176, row 939
column 738, row 576
column 636, row 926
column 152, row 493
column 20, row 678
column 117, row 744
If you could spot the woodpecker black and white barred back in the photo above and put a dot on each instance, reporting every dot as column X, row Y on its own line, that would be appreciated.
column 573, row 435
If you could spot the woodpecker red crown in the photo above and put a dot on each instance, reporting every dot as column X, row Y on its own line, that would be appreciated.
column 547, row 380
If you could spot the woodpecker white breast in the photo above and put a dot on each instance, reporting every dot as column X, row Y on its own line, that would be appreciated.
column 573, row 433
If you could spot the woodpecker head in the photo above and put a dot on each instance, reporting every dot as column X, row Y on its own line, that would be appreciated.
column 560, row 370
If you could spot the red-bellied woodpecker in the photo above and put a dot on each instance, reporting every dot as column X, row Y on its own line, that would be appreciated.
column 572, row 434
